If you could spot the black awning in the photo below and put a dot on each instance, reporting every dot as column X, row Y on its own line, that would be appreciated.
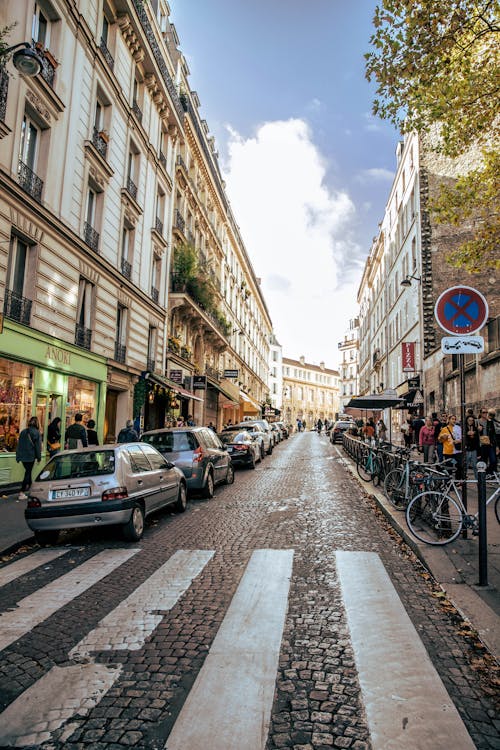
column 375, row 401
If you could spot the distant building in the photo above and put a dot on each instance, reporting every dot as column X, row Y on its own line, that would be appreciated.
column 348, row 370
column 310, row 392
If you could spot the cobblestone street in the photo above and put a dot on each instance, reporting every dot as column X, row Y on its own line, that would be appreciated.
column 132, row 680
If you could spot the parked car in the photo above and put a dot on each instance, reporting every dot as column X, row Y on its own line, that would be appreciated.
column 241, row 446
column 99, row 486
column 257, row 434
column 263, row 425
column 276, row 433
column 338, row 430
column 284, row 429
column 198, row 452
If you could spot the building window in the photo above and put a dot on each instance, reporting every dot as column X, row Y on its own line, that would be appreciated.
column 121, row 333
column 85, row 306
column 137, row 100
column 90, row 233
column 82, row 399
column 17, row 302
column 127, row 250
column 155, row 279
column 160, row 211
column 105, row 42
column 151, row 358
column 28, row 158
column 16, row 383
column 133, row 172
column 493, row 335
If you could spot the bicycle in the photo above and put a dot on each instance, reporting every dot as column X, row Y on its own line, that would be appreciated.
column 403, row 483
column 437, row 518
column 367, row 465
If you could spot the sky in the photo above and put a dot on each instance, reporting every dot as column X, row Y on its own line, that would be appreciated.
column 308, row 168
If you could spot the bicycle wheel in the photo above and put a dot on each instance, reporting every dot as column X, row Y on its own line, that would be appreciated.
column 434, row 518
column 376, row 468
column 393, row 481
column 497, row 508
column 363, row 466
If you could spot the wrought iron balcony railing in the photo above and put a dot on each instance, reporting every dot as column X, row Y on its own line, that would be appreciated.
column 155, row 294
column 99, row 142
column 150, row 364
column 4, row 88
column 126, row 269
column 16, row 307
column 162, row 159
column 120, row 352
column 48, row 71
column 91, row 237
column 179, row 221
column 107, row 54
column 137, row 110
column 159, row 225
column 83, row 336
column 30, row 182
column 131, row 188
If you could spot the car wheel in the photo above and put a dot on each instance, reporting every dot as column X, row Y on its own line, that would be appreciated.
column 44, row 538
column 134, row 528
column 229, row 475
column 262, row 452
column 208, row 490
column 270, row 450
column 180, row 504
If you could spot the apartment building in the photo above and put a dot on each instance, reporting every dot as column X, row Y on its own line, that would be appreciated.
column 310, row 392
column 349, row 364
column 93, row 182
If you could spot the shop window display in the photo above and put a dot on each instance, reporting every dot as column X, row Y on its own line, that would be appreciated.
column 82, row 396
column 16, row 383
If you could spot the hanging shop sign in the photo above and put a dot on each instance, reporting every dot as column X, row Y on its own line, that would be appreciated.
column 231, row 373
column 408, row 356
column 175, row 376
column 199, row 382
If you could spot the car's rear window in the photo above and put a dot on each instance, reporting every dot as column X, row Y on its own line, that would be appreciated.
column 233, row 436
column 74, row 465
column 343, row 425
column 171, row 442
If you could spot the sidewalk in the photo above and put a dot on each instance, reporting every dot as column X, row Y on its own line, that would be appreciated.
column 13, row 528
column 456, row 566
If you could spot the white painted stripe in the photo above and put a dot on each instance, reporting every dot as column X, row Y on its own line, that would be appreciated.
column 27, row 564
column 64, row 692
column 37, row 607
column 129, row 624
column 239, row 673
column 32, row 718
column 407, row 705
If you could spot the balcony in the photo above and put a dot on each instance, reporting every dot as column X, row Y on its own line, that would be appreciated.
column 162, row 159
column 83, row 336
column 30, row 182
column 16, row 307
column 91, row 237
column 159, row 225
column 120, row 352
column 48, row 71
column 131, row 188
column 155, row 294
column 150, row 364
column 100, row 142
column 107, row 54
column 179, row 222
column 4, row 87
column 126, row 269
column 137, row 110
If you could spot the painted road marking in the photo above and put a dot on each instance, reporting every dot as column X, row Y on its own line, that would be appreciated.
column 64, row 692
column 407, row 705
column 37, row 607
column 129, row 624
column 238, row 676
column 27, row 564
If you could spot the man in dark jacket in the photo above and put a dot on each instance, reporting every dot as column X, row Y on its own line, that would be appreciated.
column 76, row 432
column 29, row 450
column 127, row 434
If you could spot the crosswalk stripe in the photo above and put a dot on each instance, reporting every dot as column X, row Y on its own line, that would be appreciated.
column 37, row 607
column 27, row 564
column 406, row 703
column 64, row 692
column 238, row 676
column 129, row 624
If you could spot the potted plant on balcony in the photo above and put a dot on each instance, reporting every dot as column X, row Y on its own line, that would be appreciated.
column 184, row 266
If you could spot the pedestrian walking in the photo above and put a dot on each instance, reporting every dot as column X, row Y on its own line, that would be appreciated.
column 451, row 439
column 472, row 445
column 127, row 434
column 382, row 431
column 489, row 440
column 29, row 450
column 406, row 431
column 76, row 434
column 92, row 433
column 54, row 436
column 426, row 440
column 438, row 425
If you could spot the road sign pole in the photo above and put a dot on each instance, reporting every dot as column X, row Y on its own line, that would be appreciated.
column 461, row 365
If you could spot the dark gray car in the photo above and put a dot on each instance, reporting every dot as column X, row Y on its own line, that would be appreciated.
column 198, row 452
column 99, row 486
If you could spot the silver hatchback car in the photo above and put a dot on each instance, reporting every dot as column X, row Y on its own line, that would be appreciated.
column 99, row 486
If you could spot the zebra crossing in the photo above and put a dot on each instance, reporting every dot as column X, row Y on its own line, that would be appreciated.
column 403, row 698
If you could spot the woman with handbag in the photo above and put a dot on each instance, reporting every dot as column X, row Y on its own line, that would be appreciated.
column 54, row 436
column 29, row 450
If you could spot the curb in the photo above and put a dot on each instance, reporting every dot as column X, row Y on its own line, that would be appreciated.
column 16, row 545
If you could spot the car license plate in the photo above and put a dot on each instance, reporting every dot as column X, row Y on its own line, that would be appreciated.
column 70, row 493
column 229, row 450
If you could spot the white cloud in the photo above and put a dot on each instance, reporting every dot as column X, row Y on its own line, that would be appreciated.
column 375, row 174
column 297, row 234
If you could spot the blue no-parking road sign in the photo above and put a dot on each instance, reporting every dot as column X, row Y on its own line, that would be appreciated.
column 461, row 310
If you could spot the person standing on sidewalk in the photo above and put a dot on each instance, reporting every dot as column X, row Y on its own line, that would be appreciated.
column 76, row 434
column 29, row 450
column 489, row 439
column 450, row 438
column 426, row 440
column 92, row 438
column 471, row 445
column 127, row 434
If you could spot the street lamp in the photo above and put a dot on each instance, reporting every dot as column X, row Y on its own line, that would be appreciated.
column 26, row 59
column 407, row 280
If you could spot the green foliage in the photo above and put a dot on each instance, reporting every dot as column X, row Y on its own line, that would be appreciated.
column 437, row 63
column 189, row 273
column 185, row 263
column 4, row 44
